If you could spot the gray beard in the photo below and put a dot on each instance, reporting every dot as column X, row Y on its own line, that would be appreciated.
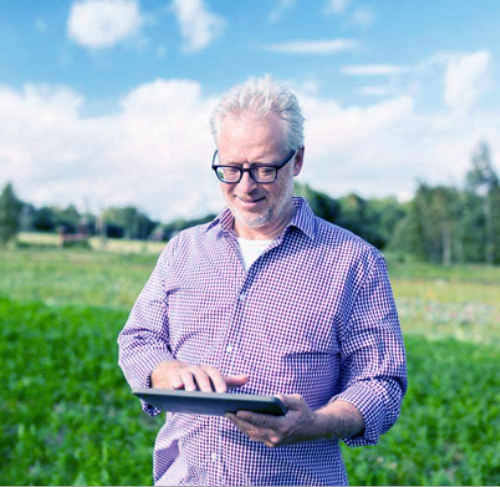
column 260, row 220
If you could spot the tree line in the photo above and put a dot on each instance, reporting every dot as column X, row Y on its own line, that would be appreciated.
column 442, row 223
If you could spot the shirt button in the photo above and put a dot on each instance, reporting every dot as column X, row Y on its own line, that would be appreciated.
column 229, row 348
column 242, row 296
column 214, row 457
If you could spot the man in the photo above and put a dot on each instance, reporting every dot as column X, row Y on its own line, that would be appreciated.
column 266, row 299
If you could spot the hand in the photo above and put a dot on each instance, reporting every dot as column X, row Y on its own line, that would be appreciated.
column 179, row 375
column 299, row 424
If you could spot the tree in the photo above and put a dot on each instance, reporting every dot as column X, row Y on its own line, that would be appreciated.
column 127, row 222
column 431, row 228
column 483, row 181
column 384, row 214
column 10, row 213
column 321, row 204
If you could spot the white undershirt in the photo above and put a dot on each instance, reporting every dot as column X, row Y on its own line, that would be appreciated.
column 252, row 249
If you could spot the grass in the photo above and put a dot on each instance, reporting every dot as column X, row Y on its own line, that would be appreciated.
column 68, row 417
column 79, row 277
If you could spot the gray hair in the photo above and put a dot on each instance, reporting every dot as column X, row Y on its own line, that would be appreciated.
column 260, row 97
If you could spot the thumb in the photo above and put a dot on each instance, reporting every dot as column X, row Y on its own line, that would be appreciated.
column 293, row 402
column 236, row 380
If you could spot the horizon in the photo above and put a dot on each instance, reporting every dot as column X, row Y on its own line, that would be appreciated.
column 106, row 102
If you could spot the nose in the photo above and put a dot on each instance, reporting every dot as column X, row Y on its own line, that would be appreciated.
column 247, row 184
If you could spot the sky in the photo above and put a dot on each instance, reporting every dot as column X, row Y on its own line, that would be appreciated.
column 106, row 102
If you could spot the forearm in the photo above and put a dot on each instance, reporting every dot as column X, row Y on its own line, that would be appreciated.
column 338, row 419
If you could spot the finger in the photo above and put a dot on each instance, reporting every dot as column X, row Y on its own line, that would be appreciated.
column 254, row 433
column 177, row 383
column 233, row 381
column 259, row 420
column 218, row 382
column 202, row 380
column 244, row 426
column 187, row 378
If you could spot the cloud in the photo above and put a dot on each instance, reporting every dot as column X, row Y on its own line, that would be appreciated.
column 100, row 24
column 374, row 70
column 154, row 148
column 280, row 8
column 381, row 149
column 336, row 7
column 154, row 152
column 466, row 79
column 199, row 26
column 331, row 46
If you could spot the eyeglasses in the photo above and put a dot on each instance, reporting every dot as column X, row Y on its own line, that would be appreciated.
column 260, row 174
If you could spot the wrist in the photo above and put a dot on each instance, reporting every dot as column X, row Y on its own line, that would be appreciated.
column 324, row 425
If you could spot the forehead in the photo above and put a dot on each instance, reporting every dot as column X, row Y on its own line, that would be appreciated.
column 247, row 137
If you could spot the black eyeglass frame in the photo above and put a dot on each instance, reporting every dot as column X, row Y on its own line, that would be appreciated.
column 250, row 170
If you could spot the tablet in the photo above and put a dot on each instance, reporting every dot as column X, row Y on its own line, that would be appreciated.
column 211, row 403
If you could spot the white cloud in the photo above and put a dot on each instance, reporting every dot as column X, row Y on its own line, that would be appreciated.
column 374, row 70
column 330, row 46
column 155, row 150
column 336, row 7
column 466, row 79
column 199, row 26
column 100, row 24
column 281, row 7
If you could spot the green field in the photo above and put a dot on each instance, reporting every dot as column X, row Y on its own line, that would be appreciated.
column 68, row 417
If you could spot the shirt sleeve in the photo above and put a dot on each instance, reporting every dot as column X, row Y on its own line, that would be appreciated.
column 144, row 341
column 373, row 364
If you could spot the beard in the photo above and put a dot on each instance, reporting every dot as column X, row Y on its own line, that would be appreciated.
column 270, row 214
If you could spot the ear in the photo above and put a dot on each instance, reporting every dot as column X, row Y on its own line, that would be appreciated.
column 299, row 161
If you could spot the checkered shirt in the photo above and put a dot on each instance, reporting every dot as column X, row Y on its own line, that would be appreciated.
column 314, row 315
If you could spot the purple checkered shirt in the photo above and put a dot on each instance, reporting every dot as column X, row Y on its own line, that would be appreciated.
column 314, row 315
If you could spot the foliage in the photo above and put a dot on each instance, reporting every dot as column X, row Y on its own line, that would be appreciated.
column 55, row 218
column 68, row 416
column 432, row 226
column 166, row 231
column 10, row 212
column 127, row 222
column 450, row 422
column 373, row 220
column 445, row 224
column 321, row 204
column 484, row 183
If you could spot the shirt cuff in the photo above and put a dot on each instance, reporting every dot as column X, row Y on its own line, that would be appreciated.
column 144, row 378
column 369, row 400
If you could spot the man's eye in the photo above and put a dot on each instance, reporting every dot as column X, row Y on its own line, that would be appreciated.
column 231, row 171
column 265, row 171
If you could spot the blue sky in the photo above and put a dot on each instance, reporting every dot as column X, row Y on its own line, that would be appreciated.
column 106, row 102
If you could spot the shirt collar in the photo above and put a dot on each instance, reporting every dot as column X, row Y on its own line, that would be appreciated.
column 303, row 219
